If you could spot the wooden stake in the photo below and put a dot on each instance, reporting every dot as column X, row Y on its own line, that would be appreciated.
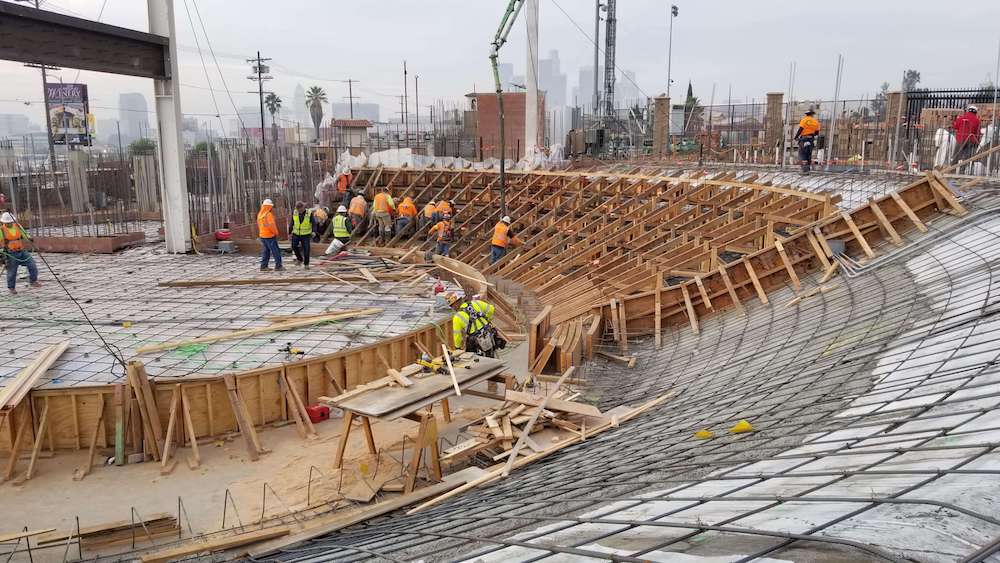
column 857, row 234
column 195, row 460
column 704, row 293
column 788, row 265
column 817, row 249
column 531, row 422
column 690, row 308
column 909, row 212
column 42, row 427
column 756, row 282
column 243, row 420
column 730, row 289
column 885, row 224
column 84, row 470
column 168, row 445
column 119, row 424
column 658, row 314
column 451, row 370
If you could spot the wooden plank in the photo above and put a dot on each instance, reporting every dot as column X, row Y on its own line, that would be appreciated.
column 85, row 469
column 692, row 317
column 623, row 326
column 12, row 536
column 299, row 406
column 756, row 282
column 704, row 293
column 817, row 249
column 730, row 289
column 243, row 421
column 553, row 404
column 885, row 223
column 788, row 265
column 149, row 399
column 909, row 212
column 43, row 426
column 195, row 460
column 217, row 544
column 119, row 403
column 531, row 423
column 168, row 445
column 857, row 234
column 657, row 311
column 15, row 449
column 19, row 386
column 940, row 184
column 255, row 331
column 451, row 370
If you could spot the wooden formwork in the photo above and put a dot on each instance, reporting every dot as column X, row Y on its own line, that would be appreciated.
column 640, row 253
column 74, row 413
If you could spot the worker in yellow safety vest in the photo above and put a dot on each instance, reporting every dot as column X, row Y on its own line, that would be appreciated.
column 472, row 326
column 502, row 238
column 383, row 208
column 300, row 233
column 15, row 254
column 340, row 228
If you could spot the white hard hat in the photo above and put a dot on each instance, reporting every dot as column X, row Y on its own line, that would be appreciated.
column 973, row 109
column 268, row 202
column 6, row 217
column 341, row 209
column 506, row 219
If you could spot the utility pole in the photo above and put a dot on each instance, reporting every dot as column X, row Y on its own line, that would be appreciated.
column 416, row 104
column 402, row 117
column 350, row 95
column 260, row 71
column 406, row 106
column 670, row 58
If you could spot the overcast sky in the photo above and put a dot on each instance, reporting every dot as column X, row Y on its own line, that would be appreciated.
column 745, row 45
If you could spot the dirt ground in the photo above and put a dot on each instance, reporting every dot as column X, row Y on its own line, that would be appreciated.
column 53, row 500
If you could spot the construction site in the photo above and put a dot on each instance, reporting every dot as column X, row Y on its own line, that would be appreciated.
column 589, row 344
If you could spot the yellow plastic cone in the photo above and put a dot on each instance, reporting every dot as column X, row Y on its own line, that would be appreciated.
column 703, row 434
column 741, row 427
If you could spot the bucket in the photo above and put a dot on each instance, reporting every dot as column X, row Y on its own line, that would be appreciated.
column 335, row 246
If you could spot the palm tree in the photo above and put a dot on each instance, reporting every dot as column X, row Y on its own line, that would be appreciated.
column 273, row 104
column 315, row 98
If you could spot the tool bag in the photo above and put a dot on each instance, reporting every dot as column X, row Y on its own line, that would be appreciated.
column 485, row 338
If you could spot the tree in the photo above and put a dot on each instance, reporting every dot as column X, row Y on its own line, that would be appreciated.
column 878, row 103
column 142, row 146
column 910, row 80
column 315, row 98
column 692, row 111
column 273, row 104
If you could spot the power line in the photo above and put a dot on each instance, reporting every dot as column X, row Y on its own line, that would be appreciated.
column 203, row 65
column 222, row 77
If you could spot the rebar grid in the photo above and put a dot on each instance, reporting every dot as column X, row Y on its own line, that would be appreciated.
column 877, row 416
column 121, row 297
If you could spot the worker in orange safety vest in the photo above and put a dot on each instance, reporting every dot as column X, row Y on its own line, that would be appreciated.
column 502, row 238
column 383, row 208
column 15, row 254
column 407, row 214
column 357, row 212
column 445, row 234
column 267, row 230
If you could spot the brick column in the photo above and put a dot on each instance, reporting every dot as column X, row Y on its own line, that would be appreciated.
column 774, row 118
column 661, row 126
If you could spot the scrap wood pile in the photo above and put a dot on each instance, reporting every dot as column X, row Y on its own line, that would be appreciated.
column 524, row 413
column 554, row 349
column 115, row 533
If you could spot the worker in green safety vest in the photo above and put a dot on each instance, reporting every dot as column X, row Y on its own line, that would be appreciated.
column 300, row 232
column 340, row 228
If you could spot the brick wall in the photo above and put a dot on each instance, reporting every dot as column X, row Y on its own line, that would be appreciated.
column 488, row 123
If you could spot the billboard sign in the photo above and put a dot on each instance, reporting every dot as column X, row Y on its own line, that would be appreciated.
column 68, row 111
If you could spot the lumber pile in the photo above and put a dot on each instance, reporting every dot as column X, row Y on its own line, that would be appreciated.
column 554, row 349
column 522, row 413
column 12, row 394
column 110, row 534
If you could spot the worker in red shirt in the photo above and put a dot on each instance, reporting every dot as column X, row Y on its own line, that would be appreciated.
column 966, row 127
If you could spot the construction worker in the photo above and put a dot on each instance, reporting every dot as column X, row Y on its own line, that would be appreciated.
column 340, row 228
column 502, row 237
column 966, row 127
column 383, row 208
column 267, row 229
column 322, row 218
column 300, row 233
column 430, row 215
column 357, row 212
column 15, row 253
column 806, row 136
column 471, row 326
column 445, row 236
column 446, row 206
column 343, row 187
column 407, row 214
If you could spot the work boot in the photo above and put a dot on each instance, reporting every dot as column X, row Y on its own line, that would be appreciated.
column 306, row 266
column 279, row 268
column 35, row 284
column 265, row 269
column 12, row 291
